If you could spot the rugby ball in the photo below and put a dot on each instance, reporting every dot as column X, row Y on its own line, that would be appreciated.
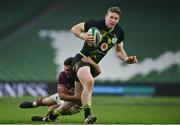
column 96, row 34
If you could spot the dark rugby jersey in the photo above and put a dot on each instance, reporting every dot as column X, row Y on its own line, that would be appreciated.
column 67, row 82
column 109, row 39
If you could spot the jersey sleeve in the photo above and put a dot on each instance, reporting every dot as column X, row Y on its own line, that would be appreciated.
column 89, row 24
column 61, row 78
column 120, row 35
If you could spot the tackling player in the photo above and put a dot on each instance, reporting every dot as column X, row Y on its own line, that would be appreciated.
column 67, row 99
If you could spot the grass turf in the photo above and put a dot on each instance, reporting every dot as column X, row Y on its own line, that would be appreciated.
column 108, row 109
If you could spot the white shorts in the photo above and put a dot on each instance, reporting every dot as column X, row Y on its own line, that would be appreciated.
column 56, row 98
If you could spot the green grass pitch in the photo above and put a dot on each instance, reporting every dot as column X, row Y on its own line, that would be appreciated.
column 108, row 109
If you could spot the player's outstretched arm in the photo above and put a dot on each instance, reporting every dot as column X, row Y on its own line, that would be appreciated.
column 121, row 53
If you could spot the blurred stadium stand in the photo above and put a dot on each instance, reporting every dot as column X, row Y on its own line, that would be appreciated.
column 17, row 14
column 151, row 29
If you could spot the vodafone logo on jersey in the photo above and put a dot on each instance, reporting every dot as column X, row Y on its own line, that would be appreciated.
column 104, row 46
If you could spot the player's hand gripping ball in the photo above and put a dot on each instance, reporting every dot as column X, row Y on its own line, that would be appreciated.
column 96, row 34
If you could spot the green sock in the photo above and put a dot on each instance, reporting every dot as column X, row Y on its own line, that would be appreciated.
column 87, row 110
column 56, row 112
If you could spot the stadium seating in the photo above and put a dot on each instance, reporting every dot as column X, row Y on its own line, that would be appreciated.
column 13, row 12
column 24, row 56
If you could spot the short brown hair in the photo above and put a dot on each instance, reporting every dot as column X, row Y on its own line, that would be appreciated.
column 115, row 10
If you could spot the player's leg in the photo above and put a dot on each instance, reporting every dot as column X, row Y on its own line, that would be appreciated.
column 41, row 101
column 73, row 110
column 87, row 81
column 68, row 108
column 45, row 118
column 47, row 101
column 54, row 102
column 33, row 104
column 70, row 111
column 60, row 110
column 51, row 109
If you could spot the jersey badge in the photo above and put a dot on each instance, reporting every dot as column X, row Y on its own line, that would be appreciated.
column 114, row 40
column 104, row 46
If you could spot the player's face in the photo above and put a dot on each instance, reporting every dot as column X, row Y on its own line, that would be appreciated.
column 67, row 70
column 111, row 20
